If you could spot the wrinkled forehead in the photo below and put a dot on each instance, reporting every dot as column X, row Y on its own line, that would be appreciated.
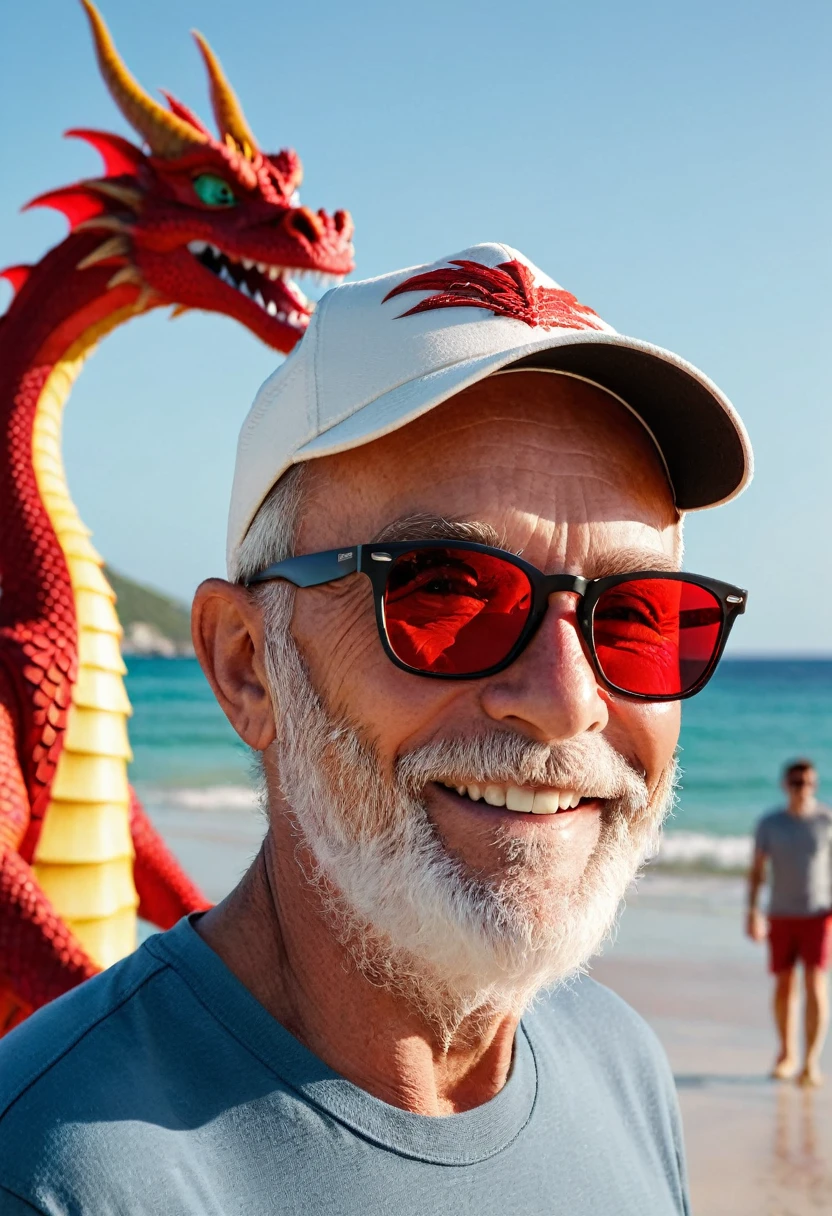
column 529, row 449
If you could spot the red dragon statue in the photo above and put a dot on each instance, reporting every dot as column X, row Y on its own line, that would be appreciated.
column 189, row 221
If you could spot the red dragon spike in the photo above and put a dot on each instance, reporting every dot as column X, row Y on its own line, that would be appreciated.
column 120, row 157
column 77, row 203
column 16, row 275
column 182, row 111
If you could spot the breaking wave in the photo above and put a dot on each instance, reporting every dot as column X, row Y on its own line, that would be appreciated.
column 700, row 851
column 210, row 798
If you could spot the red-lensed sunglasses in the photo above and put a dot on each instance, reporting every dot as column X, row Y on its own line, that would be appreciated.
column 462, row 611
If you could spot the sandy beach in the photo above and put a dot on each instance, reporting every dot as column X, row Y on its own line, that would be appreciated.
column 754, row 1146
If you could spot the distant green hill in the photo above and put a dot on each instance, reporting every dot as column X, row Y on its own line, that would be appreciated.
column 153, row 622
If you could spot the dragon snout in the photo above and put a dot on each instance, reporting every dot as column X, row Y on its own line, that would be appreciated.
column 315, row 227
column 303, row 222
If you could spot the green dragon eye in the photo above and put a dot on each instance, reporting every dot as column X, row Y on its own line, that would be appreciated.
column 213, row 191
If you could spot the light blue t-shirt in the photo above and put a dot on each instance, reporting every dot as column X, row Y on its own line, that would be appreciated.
column 799, row 848
column 163, row 1087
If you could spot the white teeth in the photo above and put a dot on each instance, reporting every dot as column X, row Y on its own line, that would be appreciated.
column 281, row 316
column 244, row 288
column 216, row 252
column 225, row 275
column 247, row 262
column 197, row 247
column 519, row 800
column 261, row 266
column 515, row 798
column 258, row 299
column 546, row 802
column 271, row 308
column 274, row 271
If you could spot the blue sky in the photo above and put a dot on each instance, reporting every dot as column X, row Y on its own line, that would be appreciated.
column 670, row 163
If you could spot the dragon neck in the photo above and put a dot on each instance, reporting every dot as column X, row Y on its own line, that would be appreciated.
column 56, row 318
column 83, row 857
column 80, row 836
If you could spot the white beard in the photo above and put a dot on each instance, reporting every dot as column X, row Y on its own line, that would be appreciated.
column 414, row 918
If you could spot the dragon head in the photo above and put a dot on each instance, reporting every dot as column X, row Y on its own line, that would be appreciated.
column 199, row 222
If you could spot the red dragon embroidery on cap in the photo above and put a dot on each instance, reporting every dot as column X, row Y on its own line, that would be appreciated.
column 507, row 290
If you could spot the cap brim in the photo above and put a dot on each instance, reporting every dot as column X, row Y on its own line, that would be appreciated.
column 702, row 440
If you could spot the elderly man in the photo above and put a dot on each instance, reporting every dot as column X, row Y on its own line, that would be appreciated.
column 456, row 633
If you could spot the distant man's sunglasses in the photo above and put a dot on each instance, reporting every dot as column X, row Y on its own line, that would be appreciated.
column 462, row 611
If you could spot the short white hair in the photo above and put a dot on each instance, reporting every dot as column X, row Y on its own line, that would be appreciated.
column 273, row 532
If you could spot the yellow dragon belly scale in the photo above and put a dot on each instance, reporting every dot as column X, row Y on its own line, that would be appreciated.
column 84, row 856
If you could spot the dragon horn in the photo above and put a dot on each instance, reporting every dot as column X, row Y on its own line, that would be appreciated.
column 166, row 135
column 227, row 109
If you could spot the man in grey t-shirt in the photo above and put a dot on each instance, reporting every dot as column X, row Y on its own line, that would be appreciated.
column 795, row 845
column 466, row 755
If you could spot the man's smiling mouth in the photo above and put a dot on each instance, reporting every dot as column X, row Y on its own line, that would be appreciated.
column 520, row 798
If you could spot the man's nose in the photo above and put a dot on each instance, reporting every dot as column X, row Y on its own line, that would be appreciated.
column 551, row 691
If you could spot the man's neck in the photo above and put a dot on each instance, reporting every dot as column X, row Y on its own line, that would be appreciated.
column 274, row 935
column 801, row 808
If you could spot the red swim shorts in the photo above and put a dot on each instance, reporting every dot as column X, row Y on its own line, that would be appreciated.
column 808, row 938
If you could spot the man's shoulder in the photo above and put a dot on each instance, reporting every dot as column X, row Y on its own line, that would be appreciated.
column 775, row 815
column 772, row 819
column 30, row 1055
column 602, row 1024
column 74, row 1074
column 151, row 1061
column 594, row 1045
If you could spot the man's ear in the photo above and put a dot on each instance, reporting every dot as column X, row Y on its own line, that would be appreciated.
column 227, row 631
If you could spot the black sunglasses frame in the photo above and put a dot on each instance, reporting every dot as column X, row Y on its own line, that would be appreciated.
column 377, row 560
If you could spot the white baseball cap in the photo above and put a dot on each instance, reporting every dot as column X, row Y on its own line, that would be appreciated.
column 381, row 352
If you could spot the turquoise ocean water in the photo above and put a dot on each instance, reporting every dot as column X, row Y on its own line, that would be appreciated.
column 736, row 735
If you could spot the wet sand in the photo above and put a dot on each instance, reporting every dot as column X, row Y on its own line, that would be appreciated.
column 754, row 1146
